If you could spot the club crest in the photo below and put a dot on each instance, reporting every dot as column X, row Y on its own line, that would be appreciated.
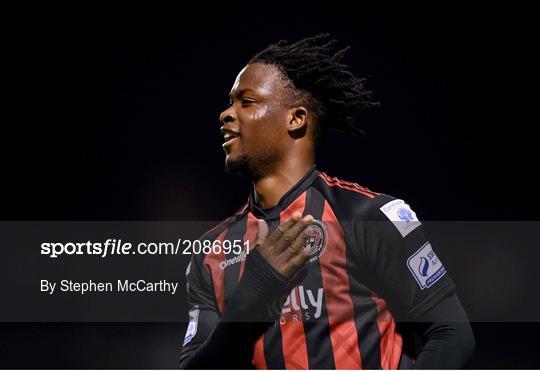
column 316, row 241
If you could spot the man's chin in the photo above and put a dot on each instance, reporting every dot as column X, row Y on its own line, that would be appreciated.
column 238, row 164
column 251, row 167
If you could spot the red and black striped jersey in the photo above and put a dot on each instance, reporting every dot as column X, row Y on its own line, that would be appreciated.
column 371, row 266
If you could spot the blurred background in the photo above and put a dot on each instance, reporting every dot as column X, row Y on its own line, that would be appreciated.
column 111, row 113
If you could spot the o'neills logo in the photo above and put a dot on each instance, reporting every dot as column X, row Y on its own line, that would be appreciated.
column 317, row 241
column 237, row 259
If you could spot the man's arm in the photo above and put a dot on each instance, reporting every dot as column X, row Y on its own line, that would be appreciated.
column 269, row 269
column 242, row 324
column 447, row 336
column 402, row 267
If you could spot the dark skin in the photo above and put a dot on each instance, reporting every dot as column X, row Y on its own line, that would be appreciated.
column 269, row 137
column 271, row 134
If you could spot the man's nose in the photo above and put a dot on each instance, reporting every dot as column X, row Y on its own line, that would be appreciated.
column 228, row 115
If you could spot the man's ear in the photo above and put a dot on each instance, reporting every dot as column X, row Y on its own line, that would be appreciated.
column 298, row 119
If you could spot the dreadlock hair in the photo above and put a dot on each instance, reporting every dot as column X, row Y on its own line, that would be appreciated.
column 317, row 77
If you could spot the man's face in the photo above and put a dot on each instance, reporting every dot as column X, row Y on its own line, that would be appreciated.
column 255, row 124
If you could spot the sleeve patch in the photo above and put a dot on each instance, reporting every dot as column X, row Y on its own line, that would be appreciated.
column 192, row 327
column 401, row 215
column 425, row 266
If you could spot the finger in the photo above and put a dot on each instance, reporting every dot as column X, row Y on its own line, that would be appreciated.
column 294, row 248
column 262, row 232
column 297, row 260
column 292, row 234
column 285, row 226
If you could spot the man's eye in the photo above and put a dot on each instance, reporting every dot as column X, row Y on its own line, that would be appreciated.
column 246, row 102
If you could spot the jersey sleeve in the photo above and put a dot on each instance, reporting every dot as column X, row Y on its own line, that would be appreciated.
column 211, row 338
column 400, row 264
column 203, row 313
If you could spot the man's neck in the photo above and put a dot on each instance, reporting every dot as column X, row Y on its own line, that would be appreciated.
column 269, row 190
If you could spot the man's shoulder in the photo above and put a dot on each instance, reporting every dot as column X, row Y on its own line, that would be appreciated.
column 365, row 215
column 217, row 229
column 350, row 200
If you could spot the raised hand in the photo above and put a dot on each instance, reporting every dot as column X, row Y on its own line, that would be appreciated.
column 284, row 248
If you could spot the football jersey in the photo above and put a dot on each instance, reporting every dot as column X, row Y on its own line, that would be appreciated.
column 370, row 266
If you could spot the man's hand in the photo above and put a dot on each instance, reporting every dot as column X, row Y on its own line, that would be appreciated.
column 284, row 248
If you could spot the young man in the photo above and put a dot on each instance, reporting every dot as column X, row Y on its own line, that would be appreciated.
column 333, row 266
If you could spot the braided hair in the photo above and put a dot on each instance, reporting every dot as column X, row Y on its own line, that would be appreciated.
column 318, row 78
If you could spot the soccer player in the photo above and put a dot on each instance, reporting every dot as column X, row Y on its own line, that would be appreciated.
column 337, row 276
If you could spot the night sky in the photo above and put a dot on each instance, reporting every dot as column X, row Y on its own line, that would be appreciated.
column 111, row 113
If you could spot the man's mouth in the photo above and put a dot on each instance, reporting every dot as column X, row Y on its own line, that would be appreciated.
column 229, row 137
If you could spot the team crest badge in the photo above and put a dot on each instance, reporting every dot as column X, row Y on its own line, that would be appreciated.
column 316, row 242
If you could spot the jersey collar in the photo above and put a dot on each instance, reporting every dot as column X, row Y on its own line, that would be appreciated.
column 286, row 200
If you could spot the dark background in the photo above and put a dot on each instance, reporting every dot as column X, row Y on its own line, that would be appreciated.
column 111, row 113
